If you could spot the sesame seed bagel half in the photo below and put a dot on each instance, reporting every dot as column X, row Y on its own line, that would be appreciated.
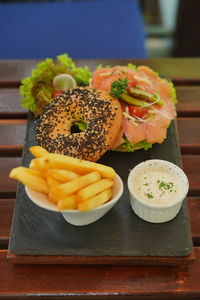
column 96, row 109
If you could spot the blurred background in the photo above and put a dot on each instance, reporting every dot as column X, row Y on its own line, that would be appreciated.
column 171, row 27
column 160, row 20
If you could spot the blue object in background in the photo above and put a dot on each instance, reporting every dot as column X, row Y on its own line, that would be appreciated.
column 81, row 28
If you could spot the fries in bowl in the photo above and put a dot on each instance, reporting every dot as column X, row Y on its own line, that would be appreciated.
column 66, row 184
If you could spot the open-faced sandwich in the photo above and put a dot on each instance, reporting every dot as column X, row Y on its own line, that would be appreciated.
column 148, row 104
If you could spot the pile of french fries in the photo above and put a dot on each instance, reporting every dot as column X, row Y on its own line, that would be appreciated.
column 70, row 183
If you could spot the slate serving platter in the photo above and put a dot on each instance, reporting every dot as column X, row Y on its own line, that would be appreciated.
column 120, row 234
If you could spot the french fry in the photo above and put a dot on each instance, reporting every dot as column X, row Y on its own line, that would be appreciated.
column 95, row 201
column 24, row 169
column 38, row 151
column 94, row 189
column 44, row 173
column 27, row 177
column 73, row 186
column 63, row 175
column 52, row 182
column 34, row 164
column 54, row 197
column 68, row 202
column 58, row 161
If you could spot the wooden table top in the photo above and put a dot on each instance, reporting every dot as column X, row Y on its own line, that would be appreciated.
column 101, row 282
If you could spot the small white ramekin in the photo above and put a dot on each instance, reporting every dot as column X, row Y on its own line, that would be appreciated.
column 152, row 212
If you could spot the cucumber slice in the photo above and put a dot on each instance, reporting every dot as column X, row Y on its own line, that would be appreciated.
column 143, row 95
column 130, row 100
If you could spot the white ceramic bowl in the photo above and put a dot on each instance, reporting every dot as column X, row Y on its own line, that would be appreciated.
column 154, row 212
column 76, row 217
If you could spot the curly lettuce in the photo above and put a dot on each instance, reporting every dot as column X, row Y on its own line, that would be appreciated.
column 100, row 66
column 173, row 92
column 131, row 66
column 37, row 90
column 82, row 76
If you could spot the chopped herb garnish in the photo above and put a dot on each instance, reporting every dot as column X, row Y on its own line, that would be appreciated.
column 150, row 196
column 164, row 185
column 118, row 87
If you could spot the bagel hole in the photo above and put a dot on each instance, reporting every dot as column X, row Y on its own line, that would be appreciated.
column 78, row 126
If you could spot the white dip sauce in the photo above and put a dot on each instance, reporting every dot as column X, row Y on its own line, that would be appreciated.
column 158, row 187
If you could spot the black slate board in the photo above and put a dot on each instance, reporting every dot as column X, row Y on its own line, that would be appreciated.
column 120, row 232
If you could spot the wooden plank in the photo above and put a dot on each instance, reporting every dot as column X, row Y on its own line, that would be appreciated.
column 13, row 71
column 8, row 186
column 10, row 106
column 189, row 104
column 194, row 213
column 191, row 166
column 12, row 136
column 189, row 134
column 189, row 131
column 6, row 213
column 133, row 282
column 100, row 260
column 178, row 69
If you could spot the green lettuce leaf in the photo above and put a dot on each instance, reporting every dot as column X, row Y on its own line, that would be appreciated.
column 127, row 146
column 132, row 66
column 173, row 92
column 82, row 76
column 100, row 66
column 28, row 101
column 66, row 61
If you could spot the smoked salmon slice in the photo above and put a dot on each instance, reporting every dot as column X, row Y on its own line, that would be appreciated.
column 151, row 128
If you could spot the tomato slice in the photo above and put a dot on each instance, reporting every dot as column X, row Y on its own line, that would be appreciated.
column 131, row 83
column 137, row 111
column 56, row 94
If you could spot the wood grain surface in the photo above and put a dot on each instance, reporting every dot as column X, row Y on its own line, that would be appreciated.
column 99, row 282
column 89, row 282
